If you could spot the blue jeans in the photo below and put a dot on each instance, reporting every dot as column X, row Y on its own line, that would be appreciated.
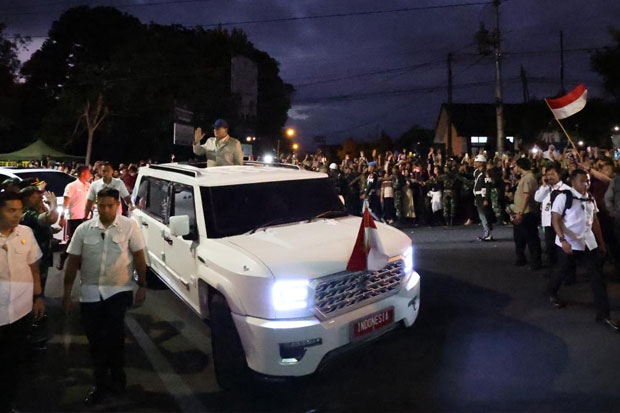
column 483, row 215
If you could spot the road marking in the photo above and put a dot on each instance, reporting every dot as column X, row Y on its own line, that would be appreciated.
column 172, row 381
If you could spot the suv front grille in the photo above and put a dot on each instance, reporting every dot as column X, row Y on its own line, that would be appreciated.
column 340, row 293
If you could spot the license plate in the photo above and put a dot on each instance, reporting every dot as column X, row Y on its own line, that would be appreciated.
column 372, row 322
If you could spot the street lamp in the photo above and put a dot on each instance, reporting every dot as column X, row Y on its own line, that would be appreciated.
column 295, row 146
column 289, row 133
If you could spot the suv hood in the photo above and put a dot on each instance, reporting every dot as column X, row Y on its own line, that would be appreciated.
column 312, row 250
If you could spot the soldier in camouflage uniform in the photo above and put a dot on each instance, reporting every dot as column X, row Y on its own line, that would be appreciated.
column 494, row 174
column 398, row 184
column 449, row 179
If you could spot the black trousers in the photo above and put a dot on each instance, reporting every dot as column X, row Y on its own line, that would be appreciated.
column 104, row 324
column 566, row 266
column 551, row 250
column 12, row 346
column 526, row 234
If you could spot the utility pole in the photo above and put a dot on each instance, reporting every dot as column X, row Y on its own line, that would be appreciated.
column 526, row 91
column 562, row 88
column 499, row 104
column 449, row 109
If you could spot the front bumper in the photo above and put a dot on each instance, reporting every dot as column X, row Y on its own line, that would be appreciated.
column 262, row 339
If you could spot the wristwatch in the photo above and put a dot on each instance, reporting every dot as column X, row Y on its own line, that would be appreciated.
column 141, row 283
column 562, row 239
column 35, row 296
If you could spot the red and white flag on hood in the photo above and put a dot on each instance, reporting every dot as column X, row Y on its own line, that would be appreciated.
column 569, row 104
column 368, row 252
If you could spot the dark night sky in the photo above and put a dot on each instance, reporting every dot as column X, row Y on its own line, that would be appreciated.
column 340, row 56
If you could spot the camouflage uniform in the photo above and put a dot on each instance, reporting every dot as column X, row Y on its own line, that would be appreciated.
column 449, row 200
column 496, row 193
column 398, row 184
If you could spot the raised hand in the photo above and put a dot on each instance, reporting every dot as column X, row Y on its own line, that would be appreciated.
column 198, row 135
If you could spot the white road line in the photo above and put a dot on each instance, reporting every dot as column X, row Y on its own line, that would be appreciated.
column 172, row 381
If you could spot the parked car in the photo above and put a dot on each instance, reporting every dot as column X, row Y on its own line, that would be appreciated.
column 56, row 182
column 260, row 251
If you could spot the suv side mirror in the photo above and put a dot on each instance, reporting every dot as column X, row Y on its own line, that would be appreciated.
column 179, row 225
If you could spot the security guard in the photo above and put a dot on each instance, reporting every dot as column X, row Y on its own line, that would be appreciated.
column 39, row 219
column 482, row 191
column 221, row 150
column 106, row 249
column 579, row 240
column 449, row 180
column 20, row 293
column 550, row 182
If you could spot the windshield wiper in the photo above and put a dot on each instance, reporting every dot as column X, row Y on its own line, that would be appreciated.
column 281, row 220
column 329, row 214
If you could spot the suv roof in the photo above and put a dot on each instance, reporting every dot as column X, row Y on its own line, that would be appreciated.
column 236, row 175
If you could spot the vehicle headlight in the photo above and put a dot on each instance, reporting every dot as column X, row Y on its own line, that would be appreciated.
column 408, row 257
column 290, row 295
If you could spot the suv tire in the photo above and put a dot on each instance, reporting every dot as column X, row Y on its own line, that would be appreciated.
column 231, row 368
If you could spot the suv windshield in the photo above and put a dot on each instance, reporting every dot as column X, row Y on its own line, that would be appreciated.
column 56, row 181
column 237, row 209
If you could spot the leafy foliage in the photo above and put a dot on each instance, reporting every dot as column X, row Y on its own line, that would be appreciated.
column 142, row 71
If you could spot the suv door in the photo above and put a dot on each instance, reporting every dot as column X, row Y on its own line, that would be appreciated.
column 180, row 250
column 154, row 200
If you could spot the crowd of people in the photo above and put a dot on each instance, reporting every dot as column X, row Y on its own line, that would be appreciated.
column 573, row 195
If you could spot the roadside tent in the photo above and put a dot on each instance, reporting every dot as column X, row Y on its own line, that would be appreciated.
column 37, row 151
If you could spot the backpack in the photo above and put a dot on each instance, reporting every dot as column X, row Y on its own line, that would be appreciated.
column 569, row 198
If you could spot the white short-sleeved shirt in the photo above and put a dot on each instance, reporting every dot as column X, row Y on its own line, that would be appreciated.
column 98, row 185
column 543, row 195
column 76, row 191
column 577, row 220
column 107, row 259
column 17, row 252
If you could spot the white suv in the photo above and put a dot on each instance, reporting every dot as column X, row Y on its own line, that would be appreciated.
column 260, row 251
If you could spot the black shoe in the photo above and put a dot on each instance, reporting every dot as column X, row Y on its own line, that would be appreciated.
column 94, row 396
column 613, row 324
column 555, row 301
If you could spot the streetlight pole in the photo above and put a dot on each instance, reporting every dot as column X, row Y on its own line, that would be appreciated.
column 499, row 103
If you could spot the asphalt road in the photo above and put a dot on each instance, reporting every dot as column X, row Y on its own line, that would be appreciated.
column 486, row 340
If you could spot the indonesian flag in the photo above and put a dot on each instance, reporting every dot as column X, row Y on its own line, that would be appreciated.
column 569, row 104
column 368, row 252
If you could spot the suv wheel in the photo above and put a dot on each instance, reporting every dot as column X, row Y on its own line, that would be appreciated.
column 231, row 368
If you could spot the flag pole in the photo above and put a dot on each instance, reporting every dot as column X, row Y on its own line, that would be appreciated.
column 562, row 126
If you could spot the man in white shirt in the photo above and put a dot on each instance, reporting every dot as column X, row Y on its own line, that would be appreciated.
column 20, row 292
column 106, row 249
column 550, row 182
column 74, row 205
column 107, row 181
column 579, row 239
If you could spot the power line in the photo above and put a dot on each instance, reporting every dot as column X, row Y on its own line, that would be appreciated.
column 300, row 18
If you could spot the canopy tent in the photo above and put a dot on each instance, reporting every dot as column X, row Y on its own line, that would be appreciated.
column 37, row 151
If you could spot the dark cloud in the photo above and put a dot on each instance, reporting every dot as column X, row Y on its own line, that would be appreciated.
column 312, row 52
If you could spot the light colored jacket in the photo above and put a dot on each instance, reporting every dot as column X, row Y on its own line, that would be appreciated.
column 225, row 152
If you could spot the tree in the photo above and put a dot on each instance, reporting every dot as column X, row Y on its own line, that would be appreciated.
column 93, row 116
column 9, row 92
column 606, row 62
column 142, row 73
column 416, row 138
